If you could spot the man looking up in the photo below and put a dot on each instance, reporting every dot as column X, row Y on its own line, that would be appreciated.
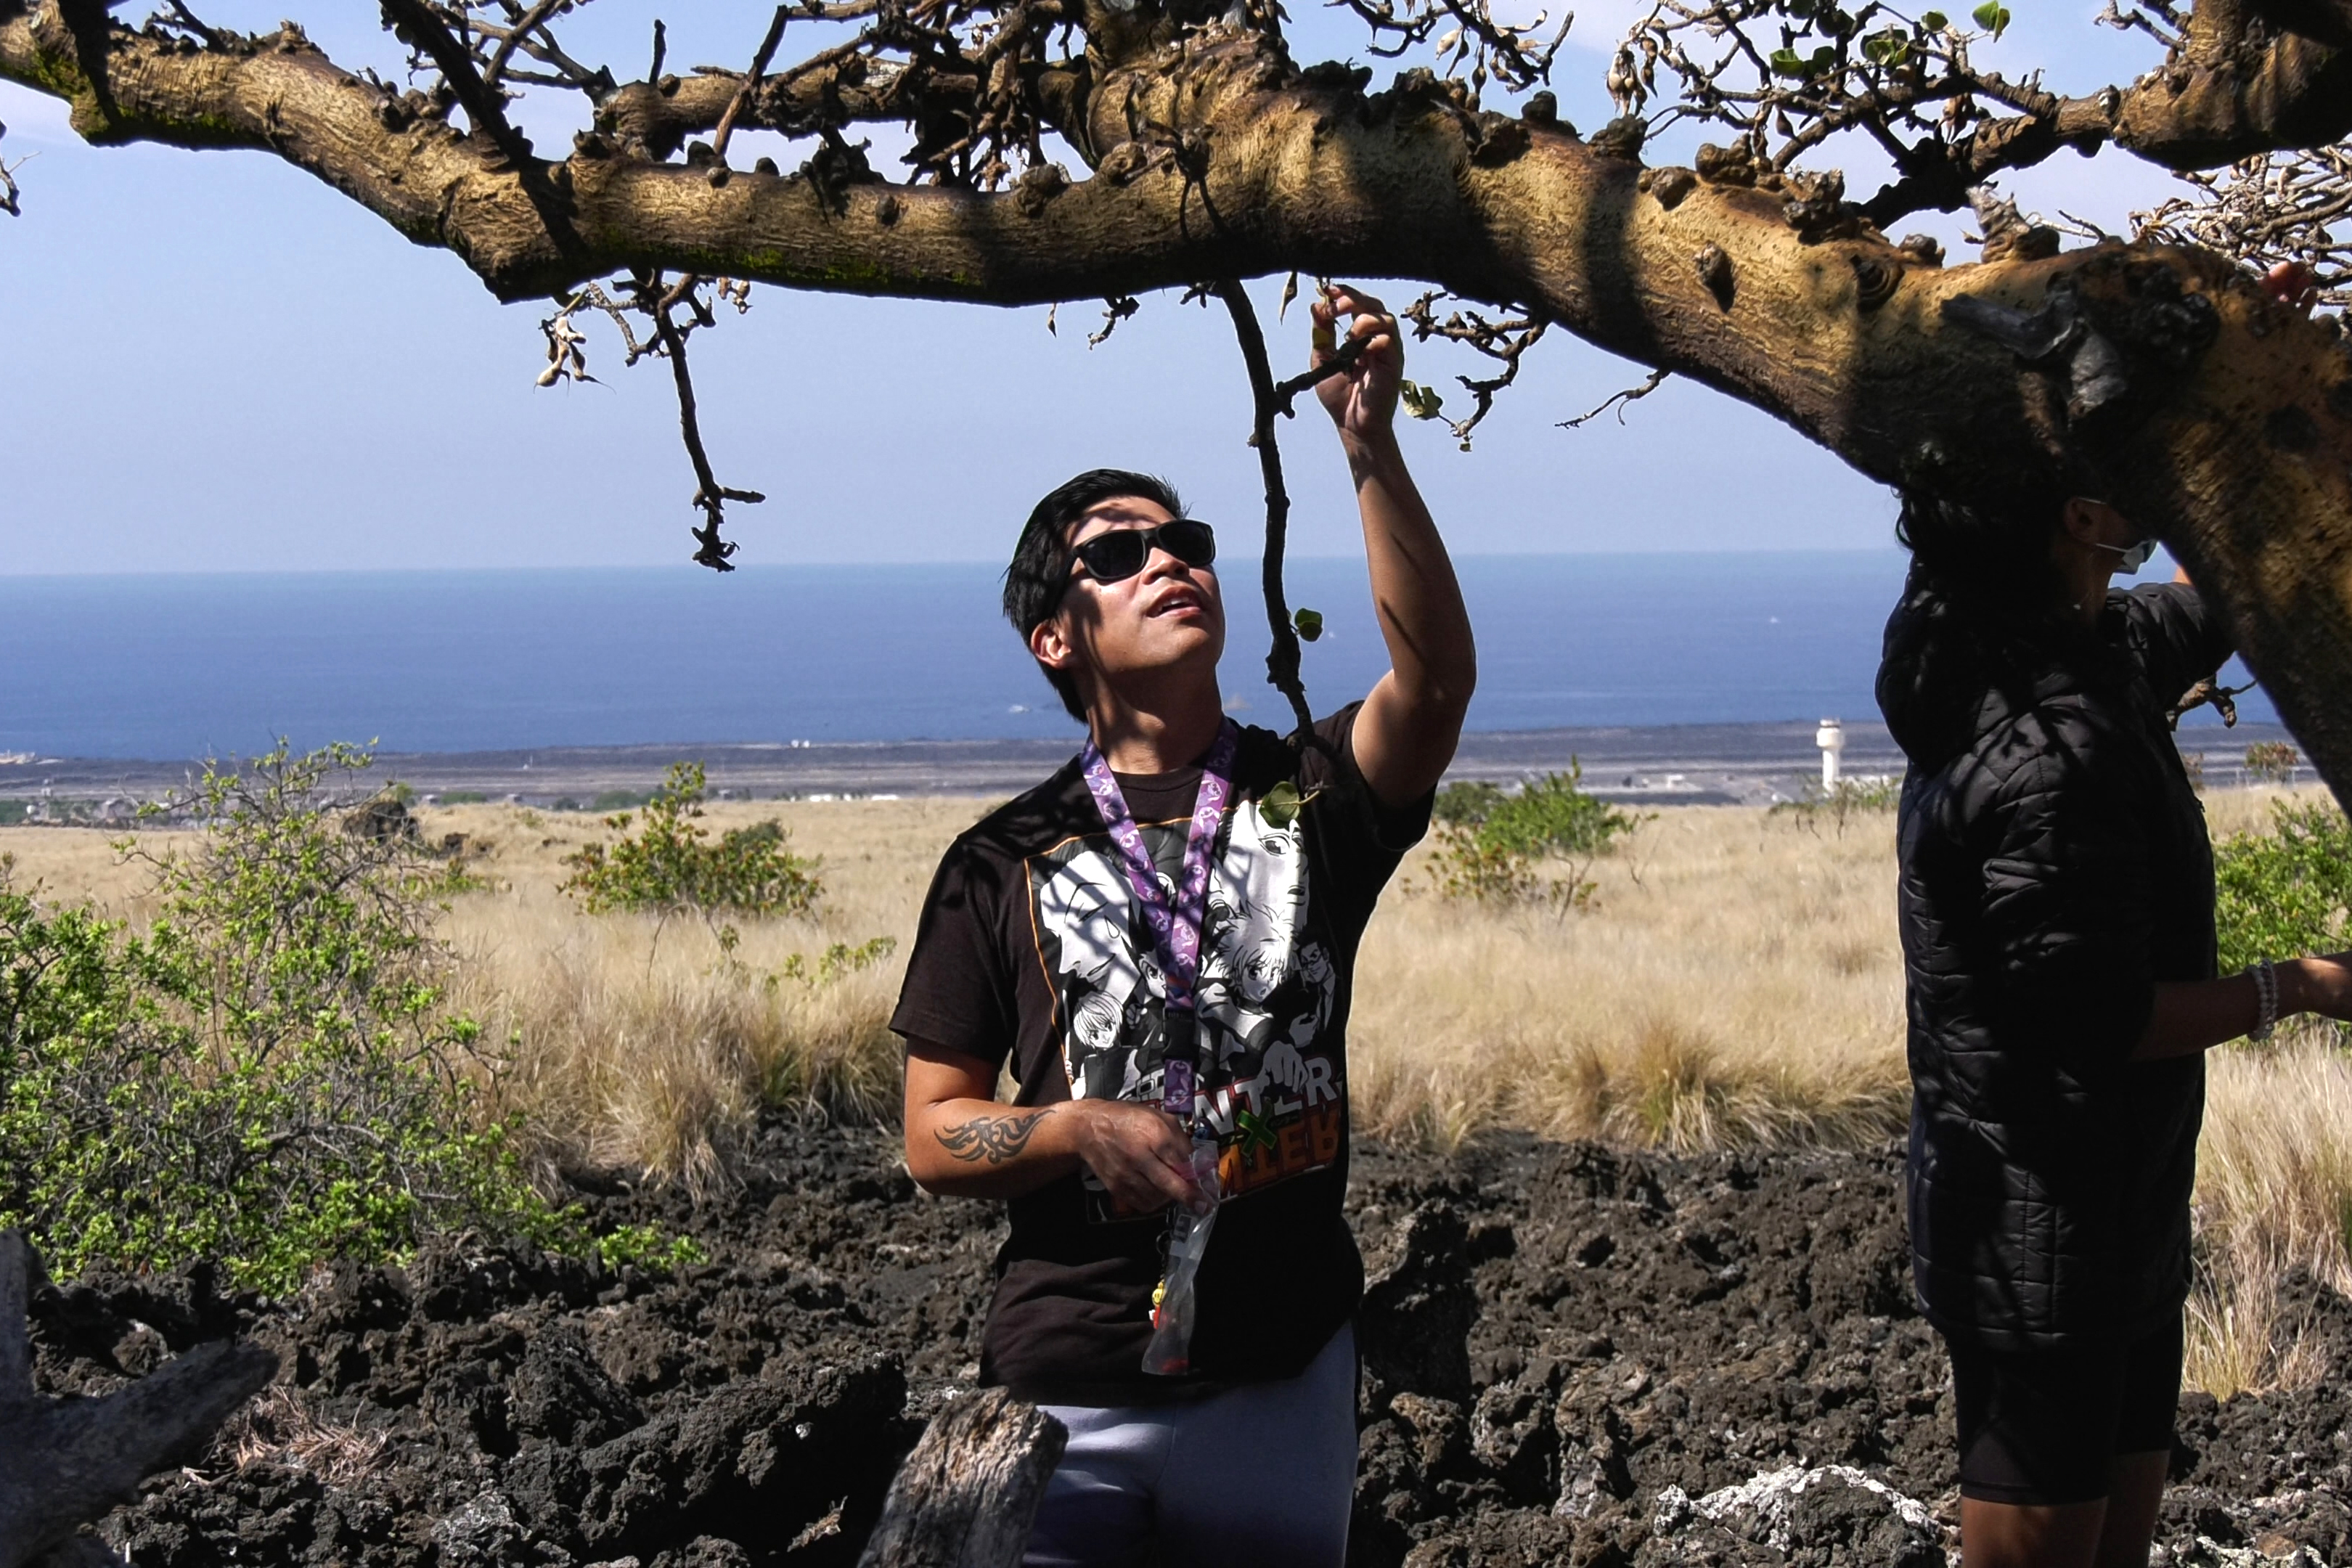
column 1160, row 941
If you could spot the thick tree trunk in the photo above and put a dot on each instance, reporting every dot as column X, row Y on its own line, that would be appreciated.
column 967, row 1494
column 2220, row 420
column 65, row 1463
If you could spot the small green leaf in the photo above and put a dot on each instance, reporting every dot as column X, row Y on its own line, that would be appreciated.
column 1279, row 805
column 1934, row 21
column 1824, row 58
column 1421, row 401
column 1889, row 48
column 1789, row 62
column 1309, row 623
column 1992, row 16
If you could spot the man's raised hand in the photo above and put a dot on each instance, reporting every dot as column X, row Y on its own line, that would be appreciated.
column 1361, row 399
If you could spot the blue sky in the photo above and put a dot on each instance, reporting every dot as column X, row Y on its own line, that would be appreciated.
column 216, row 363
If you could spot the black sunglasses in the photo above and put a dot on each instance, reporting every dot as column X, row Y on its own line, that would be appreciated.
column 1121, row 553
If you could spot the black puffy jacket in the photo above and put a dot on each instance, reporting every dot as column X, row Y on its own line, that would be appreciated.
column 2054, row 867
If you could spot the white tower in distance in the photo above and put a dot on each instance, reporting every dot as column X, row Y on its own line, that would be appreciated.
column 1830, row 739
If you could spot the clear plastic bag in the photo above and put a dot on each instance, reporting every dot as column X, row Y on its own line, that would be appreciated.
column 1173, row 1307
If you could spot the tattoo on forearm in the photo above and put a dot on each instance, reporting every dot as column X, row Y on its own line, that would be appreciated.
column 994, row 1138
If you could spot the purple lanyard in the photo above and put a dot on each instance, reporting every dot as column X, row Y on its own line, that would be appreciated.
column 1176, row 931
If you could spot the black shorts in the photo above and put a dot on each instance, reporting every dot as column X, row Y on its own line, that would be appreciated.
column 2039, row 1428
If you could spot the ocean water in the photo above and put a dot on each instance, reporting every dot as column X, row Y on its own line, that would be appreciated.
column 176, row 667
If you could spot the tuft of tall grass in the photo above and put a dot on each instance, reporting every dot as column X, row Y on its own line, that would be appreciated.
column 644, row 1044
column 2273, row 1193
column 1735, row 981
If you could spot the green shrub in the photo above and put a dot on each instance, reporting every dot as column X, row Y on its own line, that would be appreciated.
column 672, row 865
column 270, row 1075
column 1468, row 802
column 1494, row 846
column 2284, row 891
column 2271, row 762
column 837, row 960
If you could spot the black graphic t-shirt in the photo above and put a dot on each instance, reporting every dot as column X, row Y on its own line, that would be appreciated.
column 1033, row 950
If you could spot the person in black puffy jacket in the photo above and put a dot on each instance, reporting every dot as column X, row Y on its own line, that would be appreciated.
column 2056, row 902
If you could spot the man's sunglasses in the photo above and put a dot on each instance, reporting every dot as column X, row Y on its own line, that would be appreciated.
column 1121, row 553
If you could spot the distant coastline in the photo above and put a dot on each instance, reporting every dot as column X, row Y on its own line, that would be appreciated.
column 1663, row 764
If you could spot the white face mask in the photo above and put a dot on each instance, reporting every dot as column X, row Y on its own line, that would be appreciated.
column 2133, row 556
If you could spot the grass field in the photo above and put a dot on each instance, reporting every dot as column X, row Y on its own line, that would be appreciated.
column 1734, row 982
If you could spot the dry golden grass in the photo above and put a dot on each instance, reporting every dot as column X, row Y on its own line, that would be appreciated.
column 2274, row 1192
column 1737, row 982
column 642, row 1042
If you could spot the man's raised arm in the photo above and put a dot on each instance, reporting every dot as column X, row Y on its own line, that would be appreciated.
column 1406, row 733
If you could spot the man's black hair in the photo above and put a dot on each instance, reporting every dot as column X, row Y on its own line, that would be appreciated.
column 1040, row 571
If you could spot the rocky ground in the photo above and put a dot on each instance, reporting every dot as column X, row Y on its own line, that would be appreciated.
column 1572, row 1355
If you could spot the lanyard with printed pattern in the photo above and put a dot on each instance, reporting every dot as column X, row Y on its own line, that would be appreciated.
column 1175, row 930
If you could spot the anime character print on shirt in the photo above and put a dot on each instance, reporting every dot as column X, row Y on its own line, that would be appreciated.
column 1277, row 1087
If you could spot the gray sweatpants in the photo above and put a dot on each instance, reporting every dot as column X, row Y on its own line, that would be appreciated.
column 1257, row 1477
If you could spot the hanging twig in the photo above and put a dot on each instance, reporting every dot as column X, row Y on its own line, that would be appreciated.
column 8, row 183
column 1282, row 658
column 709, row 494
column 1618, row 400
column 2209, row 689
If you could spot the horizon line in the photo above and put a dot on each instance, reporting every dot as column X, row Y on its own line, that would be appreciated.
column 764, row 567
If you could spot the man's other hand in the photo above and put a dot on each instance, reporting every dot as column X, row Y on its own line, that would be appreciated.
column 961, row 1139
column 1142, row 1155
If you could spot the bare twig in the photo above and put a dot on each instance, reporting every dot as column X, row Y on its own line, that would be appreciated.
column 8, row 184
column 2281, row 210
column 743, row 95
column 1116, row 309
column 1282, row 658
column 421, row 26
column 531, row 33
column 2209, row 689
column 1506, row 341
column 1618, row 400
column 708, row 494
column 1349, row 351
column 186, row 19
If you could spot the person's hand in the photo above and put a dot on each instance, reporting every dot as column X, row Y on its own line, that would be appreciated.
column 2293, row 285
column 1361, row 399
column 1142, row 1155
column 2321, row 985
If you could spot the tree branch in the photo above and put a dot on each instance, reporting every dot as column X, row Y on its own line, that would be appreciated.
column 1267, row 402
column 2222, row 420
column 416, row 24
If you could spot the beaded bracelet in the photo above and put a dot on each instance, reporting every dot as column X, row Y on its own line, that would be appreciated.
column 2266, row 993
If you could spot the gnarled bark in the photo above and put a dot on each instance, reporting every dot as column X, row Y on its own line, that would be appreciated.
column 65, row 1463
column 2227, row 429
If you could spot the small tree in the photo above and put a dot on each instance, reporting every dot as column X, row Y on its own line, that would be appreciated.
column 271, row 1075
column 2271, row 762
column 2285, row 892
column 1842, row 801
column 1492, row 845
column 671, row 864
